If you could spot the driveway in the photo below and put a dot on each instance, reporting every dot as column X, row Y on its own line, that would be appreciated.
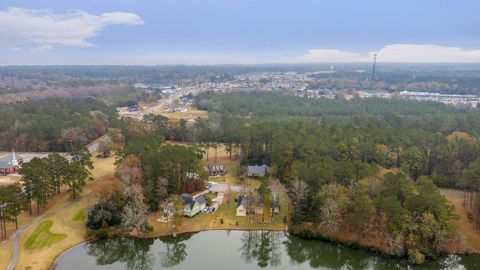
column 223, row 187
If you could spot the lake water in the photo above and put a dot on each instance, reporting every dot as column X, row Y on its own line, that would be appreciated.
column 235, row 250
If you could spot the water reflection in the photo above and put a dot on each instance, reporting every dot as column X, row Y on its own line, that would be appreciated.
column 133, row 252
column 236, row 250
column 263, row 246
column 175, row 251
column 329, row 256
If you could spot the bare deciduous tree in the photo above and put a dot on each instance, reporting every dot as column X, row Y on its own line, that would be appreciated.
column 135, row 212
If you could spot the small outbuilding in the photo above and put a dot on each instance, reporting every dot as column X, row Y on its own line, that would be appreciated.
column 258, row 171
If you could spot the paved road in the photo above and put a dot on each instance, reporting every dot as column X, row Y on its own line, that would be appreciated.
column 161, row 106
column 18, row 233
column 93, row 146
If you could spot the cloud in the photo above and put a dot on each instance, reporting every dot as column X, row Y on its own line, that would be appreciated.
column 396, row 53
column 427, row 53
column 42, row 30
column 329, row 55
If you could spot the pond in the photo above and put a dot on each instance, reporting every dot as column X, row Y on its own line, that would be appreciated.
column 235, row 250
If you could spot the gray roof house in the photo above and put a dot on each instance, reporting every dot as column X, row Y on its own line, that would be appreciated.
column 193, row 205
column 258, row 171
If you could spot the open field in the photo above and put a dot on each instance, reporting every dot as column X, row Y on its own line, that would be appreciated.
column 5, row 254
column 80, row 215
column 63, row 222
column 9, row 179
column 43, row 237
column 191, row 113
column 471, row 235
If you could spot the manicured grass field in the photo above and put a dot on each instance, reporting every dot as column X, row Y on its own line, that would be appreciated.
column 42, row 237
column 80, row 215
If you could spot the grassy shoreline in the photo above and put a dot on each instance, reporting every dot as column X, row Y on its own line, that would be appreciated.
column 153, row 236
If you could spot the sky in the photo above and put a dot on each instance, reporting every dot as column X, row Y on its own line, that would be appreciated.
column 156, row 32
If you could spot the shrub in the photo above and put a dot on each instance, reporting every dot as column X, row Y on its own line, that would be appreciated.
column 415, row 256
column 102, row 233
column 306, row 234
column 104, row 212
column 221, row 221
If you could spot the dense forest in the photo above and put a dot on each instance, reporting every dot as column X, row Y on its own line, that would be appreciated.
column 58, row 125
column 160, row 169
column 335, row 157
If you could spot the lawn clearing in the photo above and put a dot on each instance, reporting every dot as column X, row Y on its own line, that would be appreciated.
column 467, row 229
column 42, row 237
column 63, row 221
column 80, row 215
column 9, row 179
column 191, row 113
column 5, row 253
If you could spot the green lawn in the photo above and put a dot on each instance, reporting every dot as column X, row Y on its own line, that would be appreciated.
column 42, row 237
column 80, row 215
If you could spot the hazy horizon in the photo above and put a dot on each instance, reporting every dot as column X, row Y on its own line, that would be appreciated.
column 214, row 32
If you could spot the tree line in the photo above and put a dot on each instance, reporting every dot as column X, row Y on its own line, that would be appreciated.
column 333, row 153
column 148, row 171
column 42, row 179
column 53, row 125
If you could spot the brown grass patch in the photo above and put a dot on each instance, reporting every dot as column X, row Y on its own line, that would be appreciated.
column 63, row 221
column 190, row 113
column 465, row 228
column 5, row 254
column 9, row 179
column 461, row 135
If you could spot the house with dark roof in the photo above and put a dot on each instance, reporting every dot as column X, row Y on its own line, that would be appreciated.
column 248, row 205
column 193, row 205
column 241, row 206
column 10, row 163
column 258, row 171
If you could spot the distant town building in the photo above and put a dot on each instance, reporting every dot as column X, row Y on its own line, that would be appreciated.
column 133, row 108
column 154, row 86
column 450, row 99
column 376, row 94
